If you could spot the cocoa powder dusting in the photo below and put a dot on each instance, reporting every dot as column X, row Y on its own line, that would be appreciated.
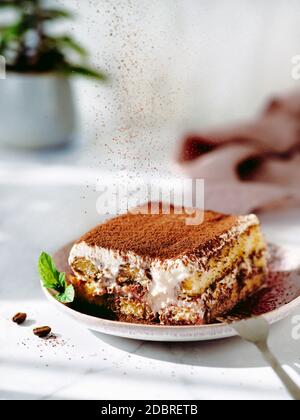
column 163, row 236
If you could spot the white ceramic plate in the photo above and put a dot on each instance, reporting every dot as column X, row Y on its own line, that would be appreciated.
column 277, row 301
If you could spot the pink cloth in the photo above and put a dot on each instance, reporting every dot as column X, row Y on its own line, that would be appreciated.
column 251, row 165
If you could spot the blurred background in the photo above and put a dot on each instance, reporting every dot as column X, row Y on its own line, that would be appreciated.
column 170, row 68
column 101, row 86
column 174, row 66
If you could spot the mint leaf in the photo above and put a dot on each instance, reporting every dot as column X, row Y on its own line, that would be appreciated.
column 68, row 295
column 48, row 272
column 62, row 280
column 54, row 280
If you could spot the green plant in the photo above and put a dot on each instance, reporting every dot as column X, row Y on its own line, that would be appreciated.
column 28, row 45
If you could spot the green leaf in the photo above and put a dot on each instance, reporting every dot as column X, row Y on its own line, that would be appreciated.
column 54, row 280
column 67, row 296
column 68, row 42
column 48, row 272
column 8, row 3
column 50, row 14
column 62, row 280
column 12, row 32
column 16, row 2
column 74, row 70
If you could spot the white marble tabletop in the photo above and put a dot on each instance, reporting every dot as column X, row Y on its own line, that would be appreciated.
column 39, row 213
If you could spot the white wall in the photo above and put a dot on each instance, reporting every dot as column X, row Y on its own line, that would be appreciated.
column 188, row 62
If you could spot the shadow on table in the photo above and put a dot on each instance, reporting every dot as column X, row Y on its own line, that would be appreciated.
column 227, row 353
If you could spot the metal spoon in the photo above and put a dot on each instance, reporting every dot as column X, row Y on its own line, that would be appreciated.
column 256, row 331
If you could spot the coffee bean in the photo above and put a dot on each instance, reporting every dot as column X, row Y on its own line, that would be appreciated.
column 19, row 318
column 42, row 332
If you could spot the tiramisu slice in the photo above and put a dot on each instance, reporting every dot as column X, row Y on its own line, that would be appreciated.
column 157, row 268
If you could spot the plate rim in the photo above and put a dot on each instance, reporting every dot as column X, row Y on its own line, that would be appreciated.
column 288, row 306
column 164, row 333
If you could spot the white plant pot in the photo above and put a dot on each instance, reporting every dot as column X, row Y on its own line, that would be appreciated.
column 36, row 111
